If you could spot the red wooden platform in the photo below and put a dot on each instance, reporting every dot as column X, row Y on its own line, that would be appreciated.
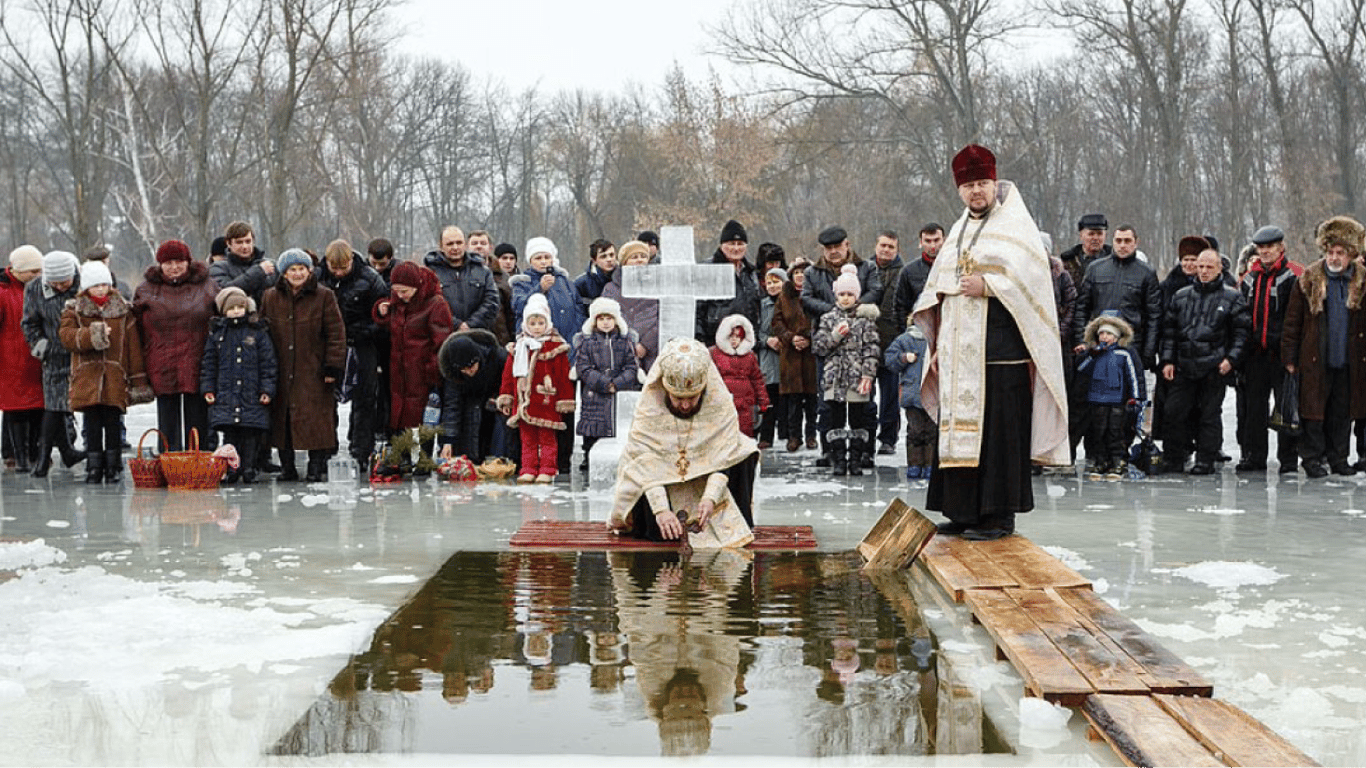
column 559, row 534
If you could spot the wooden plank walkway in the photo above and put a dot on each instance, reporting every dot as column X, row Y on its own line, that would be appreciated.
column 572, row 534
column 1014, row 561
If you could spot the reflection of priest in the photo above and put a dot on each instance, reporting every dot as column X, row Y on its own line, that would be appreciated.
column 994, row 379
column 685, row 452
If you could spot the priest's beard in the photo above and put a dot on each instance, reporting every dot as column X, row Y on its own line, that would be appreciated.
column 681, row 414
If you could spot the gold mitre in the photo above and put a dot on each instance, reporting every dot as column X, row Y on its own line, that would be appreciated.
column 683, row 367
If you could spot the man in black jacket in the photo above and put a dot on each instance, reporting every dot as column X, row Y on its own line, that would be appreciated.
column 1204, row 337
column 466, row 283
column 733, row 249
column 358, row 287
column 1091, row 231
column 911, row 281
column 1122, row 285
column 246, row 266
column 1267, row 286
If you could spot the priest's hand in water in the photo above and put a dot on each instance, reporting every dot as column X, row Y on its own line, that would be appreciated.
column 669, row 525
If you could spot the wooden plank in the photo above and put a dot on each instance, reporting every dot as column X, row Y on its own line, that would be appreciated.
column 946, row 569
column 583, row 535
column 906, row 537
column 1163, row 671
column 1232, row 735
column 1108, row 669
column 1029, row 565
column 1143, row 733
column 1046, row 671
column 988, row 574
column 877, row 535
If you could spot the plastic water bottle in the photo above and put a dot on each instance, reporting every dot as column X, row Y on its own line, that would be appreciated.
column 431, row 415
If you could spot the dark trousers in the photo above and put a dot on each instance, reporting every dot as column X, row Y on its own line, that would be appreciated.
column 800, row 407
column 179, row 413
column 247, row 441
column 857, row 415
column 1330, row 440
column 1107, row 435
column 889, row 405
column 1262, row 377
column 21, row 432
column 774, row 418
column 462, row 418
column 102, row 428
column 822, row 407
column 1194, row 412
column 360, row 433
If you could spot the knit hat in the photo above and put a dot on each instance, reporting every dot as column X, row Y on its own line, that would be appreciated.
column 536, row 304
column 1341, row 230
column 95, row 273
column 292, row 257
column 734, row 230
column 173, row 250
column 233, row 297
column 462, row 352
column 649, row 238
column 847, row 282
column 973, row 163
column 59, row 266
column 24, row 258
column 683, row 365
column 541, row 245
column 832, row 236
column 503, row 248
column 777, row 272
column 1109, row 328
column 219, row 247
column 407, row 273
column 631, row 248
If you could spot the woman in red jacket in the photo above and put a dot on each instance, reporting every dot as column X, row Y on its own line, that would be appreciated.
column 22, row 396
column 418, row 320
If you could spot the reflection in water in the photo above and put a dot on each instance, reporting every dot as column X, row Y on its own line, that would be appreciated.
column 723, row 653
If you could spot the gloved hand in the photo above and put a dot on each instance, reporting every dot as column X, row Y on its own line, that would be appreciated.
column 40, row 349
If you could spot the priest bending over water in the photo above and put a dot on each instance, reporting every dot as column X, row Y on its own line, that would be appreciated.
column 686, row 466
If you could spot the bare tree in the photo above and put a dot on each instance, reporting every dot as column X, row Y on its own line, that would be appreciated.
column 1337, row 34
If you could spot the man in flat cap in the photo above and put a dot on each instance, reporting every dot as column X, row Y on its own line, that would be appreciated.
column 686, row 453
column 1091, row 231
column 993, row 377
column 1267, row 286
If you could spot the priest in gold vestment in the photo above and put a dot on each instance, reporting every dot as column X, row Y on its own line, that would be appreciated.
column 993, row 378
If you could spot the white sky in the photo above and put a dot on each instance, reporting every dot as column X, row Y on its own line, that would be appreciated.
column 558, row 44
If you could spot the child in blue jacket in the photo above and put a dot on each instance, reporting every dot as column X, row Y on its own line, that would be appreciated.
column 905, row 357
column 1115, row 392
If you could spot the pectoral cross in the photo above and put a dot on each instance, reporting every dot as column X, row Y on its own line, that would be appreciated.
column 682, row 463
column 967, row 265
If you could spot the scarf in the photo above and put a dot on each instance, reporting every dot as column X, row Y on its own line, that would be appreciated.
column 527, row 345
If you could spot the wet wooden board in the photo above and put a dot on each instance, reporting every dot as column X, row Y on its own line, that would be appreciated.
column 1233, row 736
column 1163, row 671
column 1047, row 672
column 578, row 535
column 1105, row 666
column 1014, row 561
column 896, row 538
column 1143, row 733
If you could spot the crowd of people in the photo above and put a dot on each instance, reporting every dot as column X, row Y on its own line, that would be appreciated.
column 507, row 354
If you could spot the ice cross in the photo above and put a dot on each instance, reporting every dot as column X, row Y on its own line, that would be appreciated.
column 678, row 281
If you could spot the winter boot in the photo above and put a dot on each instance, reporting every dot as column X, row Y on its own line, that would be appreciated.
column 837, row 440
column 94, row 468
column 317, row 466
column 247, row 455
column 1118, row 470
column 17, row 437
column 113, row 466
column 860, row 450
column 288, row 472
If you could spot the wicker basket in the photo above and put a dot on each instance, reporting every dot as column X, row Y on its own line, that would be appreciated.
column 193, row 469
column 147, row 472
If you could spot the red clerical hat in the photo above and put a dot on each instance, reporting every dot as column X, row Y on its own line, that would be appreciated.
column 973, row 163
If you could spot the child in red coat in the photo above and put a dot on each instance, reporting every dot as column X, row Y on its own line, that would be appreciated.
column 536, row 391
column 735, row 359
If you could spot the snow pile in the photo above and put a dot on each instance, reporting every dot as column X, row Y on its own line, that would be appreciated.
column 1229, row 575
column 766, row 488
column 28, row 554
column 1042, row 724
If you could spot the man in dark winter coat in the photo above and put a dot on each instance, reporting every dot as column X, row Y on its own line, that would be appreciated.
column 748, row 295
column 1121, row 285
column 1091, row 230
column 471, row 370
column 887, row 259
column 380, row 257
column 1204, row 337
column 357, row 287
column 466, row 283
column 602, row 263
column 246, row 266
column 911, row 281
column 1324, row 341
column 1267, row 286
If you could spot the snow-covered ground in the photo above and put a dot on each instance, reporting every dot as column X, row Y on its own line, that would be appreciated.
column 160, row 628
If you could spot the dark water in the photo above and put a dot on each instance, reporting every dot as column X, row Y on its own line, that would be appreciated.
column 641, row 654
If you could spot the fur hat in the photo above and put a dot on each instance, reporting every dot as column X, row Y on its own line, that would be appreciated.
column 848, row 282
column 734, row 230
column 1341, row 230
column 25, row 258
column 407, row 273
column 1191, row 245
column 536, row 304
column 727, row 326
column 603, row 305
column 683, row 365
column 233, row 297
column 95, row 273
column 292, row 257
column 541, row 245
column 59, row 266
column 1092, row 221
column 799, row 264
column 173, row 250
column 973, row 163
